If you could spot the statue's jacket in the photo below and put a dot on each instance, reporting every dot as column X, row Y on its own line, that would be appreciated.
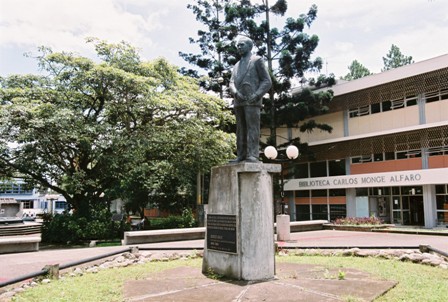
column 254, row 79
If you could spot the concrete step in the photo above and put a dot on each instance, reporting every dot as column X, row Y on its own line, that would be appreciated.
column 17, row 230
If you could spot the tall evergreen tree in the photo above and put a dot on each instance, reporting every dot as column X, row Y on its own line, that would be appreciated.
column 288, row 52
column 356, row 71
column 395, row 59
column 120, row 125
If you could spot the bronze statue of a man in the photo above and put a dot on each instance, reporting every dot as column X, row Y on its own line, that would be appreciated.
column 249, row 82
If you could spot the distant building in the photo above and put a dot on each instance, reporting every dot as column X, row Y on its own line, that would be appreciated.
column 17, row 200
column 387, row 155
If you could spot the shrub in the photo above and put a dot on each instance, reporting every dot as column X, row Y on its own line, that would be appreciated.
column 359, row 221
column 186, row 220
column 64, row 228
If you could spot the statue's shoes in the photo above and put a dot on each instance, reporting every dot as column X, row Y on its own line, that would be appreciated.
column 236, row 160
column 252, row 159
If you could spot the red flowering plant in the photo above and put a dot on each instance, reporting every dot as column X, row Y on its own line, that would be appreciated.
column 359, row 221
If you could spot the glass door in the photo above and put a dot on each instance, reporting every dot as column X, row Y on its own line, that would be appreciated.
column 396, row 210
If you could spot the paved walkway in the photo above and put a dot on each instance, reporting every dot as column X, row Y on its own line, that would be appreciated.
column 293, row 282
column 16, row 265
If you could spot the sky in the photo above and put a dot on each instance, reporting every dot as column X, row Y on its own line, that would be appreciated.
column 347, row 29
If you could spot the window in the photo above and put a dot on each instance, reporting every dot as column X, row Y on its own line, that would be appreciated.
column 362, row 159
column 365, row 110
column 304, row 193
column 444, row 94
column 389, row 155
column 318, row 169
column 14, row 188
column 60, row 205
column 435, row 96
column 437, row 151
column 414, row 153
column 319, row 193
column 362, row 192
column 28, row 204
column 337, row 211
column 353, row 112
column 402, row 155
column 375, row 108
column 301, row 171
column 411, row 102
column 356, row 159
column 442, row 204
column 302, row 212
column 386, row 106
column 396, row 104
column 337, row 192
column 319, row 211
column 378, row 157
column 336, row 167
column 379, row 191
column 441, row 189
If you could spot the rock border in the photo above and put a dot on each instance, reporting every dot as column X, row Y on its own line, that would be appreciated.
column 137, row 257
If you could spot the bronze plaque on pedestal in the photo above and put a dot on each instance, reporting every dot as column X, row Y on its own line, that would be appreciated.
column 221, row 233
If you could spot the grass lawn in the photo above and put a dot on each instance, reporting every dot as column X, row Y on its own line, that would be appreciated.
column 416, row 282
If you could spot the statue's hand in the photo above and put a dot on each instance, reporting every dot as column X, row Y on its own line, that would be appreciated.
column 253, row 98
column 239, row 96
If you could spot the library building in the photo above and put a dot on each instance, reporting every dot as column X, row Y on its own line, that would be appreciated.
column 387, row 155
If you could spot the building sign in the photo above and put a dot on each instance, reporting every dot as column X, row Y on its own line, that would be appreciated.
column 388, row 179
column 221, row 233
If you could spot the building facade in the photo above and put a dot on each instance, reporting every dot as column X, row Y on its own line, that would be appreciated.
column 387, row 155
column 17, row 199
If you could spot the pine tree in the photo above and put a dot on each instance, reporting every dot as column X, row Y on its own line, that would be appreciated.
column 288, row 52
column 357, row 71
column 395, row 59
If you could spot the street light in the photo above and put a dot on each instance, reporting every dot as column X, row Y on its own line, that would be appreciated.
column 292, row 152
column 283, row 227
column 51, row 198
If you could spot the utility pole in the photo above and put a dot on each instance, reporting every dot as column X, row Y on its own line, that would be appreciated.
column 271, row 91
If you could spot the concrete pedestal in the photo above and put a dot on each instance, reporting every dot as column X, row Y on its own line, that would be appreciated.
column 283, row 228
column 239, row 232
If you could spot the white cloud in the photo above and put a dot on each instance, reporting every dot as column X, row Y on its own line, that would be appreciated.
column 347, row 29
column 64, row 25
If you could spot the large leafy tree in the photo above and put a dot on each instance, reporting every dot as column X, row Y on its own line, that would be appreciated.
column 394, row 58
column 356, row 71
column 288, row 52
column 94, row 130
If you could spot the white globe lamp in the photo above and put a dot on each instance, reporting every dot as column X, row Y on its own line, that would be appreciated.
column 270, row 152
column 292, row 152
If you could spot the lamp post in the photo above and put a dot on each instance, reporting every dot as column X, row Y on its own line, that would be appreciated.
column 291, row 153
column 283, row 220
column 51, row 198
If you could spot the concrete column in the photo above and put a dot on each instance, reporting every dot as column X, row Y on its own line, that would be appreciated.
column 240, row 223
column 292, row 208
column 430, row 206
column 351, row 202
column 283, row 228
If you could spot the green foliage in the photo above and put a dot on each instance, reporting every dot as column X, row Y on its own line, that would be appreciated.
column 415, row 282
column 106, row 285
column 359, row 221
column 211, row 274
column 288, row 52
column 118, row 128
column 341, row 275
column 357, row 71
column 66, row 228
column 395, row 58
column 186, row 220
